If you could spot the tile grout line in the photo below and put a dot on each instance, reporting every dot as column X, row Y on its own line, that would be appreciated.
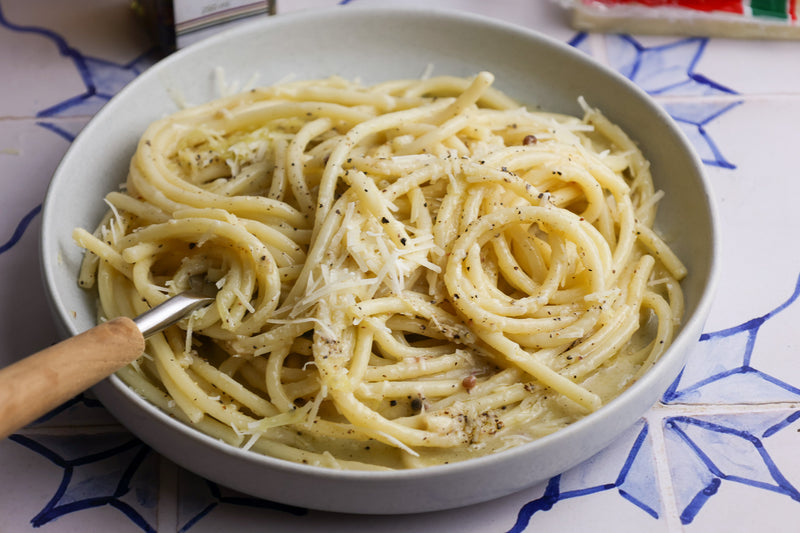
column 725, row 98
column 597, row 44
column 655, row 421
column 34, row 118
column 167, row 514
column 707, row 409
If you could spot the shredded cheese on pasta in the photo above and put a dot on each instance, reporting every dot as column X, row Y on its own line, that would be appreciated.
column 410, row 273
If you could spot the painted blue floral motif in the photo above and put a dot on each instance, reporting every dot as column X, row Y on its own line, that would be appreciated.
column 117, row 471
column 200, row 497
column 671, row 70
column 107, row 469
column 664, row 70
column 692, row 118
column 19, row 231
column 706, row 451
column 700, row 447
column 581, row 42
column 719, row 369
column 630, row 474
column 102, row 80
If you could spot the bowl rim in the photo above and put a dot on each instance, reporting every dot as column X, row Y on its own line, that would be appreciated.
column 681, row 341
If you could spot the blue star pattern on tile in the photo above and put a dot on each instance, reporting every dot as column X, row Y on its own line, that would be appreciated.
column 105, row 469
column 119, row 472
column 667, row 69
column 692, row 118
column 102, row 80
column 699, row 446
column 82, row 401
column 81, row 410
column 700, row 449
column 200, row 497
column 19, row 231
column 719, row 368
column 581, row 42
column 720, row 371
column 631, row 476
column 670, row 70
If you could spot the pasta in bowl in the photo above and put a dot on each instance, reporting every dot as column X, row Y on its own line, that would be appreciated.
column 410, row 273
column 415, row 272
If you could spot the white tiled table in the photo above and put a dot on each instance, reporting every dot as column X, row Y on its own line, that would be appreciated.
column 719, row 453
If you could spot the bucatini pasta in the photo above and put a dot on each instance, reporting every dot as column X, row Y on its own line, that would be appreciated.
column 410, row 273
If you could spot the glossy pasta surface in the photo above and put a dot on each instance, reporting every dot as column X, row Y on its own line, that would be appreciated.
column 411, row 273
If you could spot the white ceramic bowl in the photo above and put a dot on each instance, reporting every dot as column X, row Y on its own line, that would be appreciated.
column 376, row 45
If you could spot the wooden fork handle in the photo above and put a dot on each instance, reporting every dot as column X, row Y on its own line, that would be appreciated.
column 41, row 382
